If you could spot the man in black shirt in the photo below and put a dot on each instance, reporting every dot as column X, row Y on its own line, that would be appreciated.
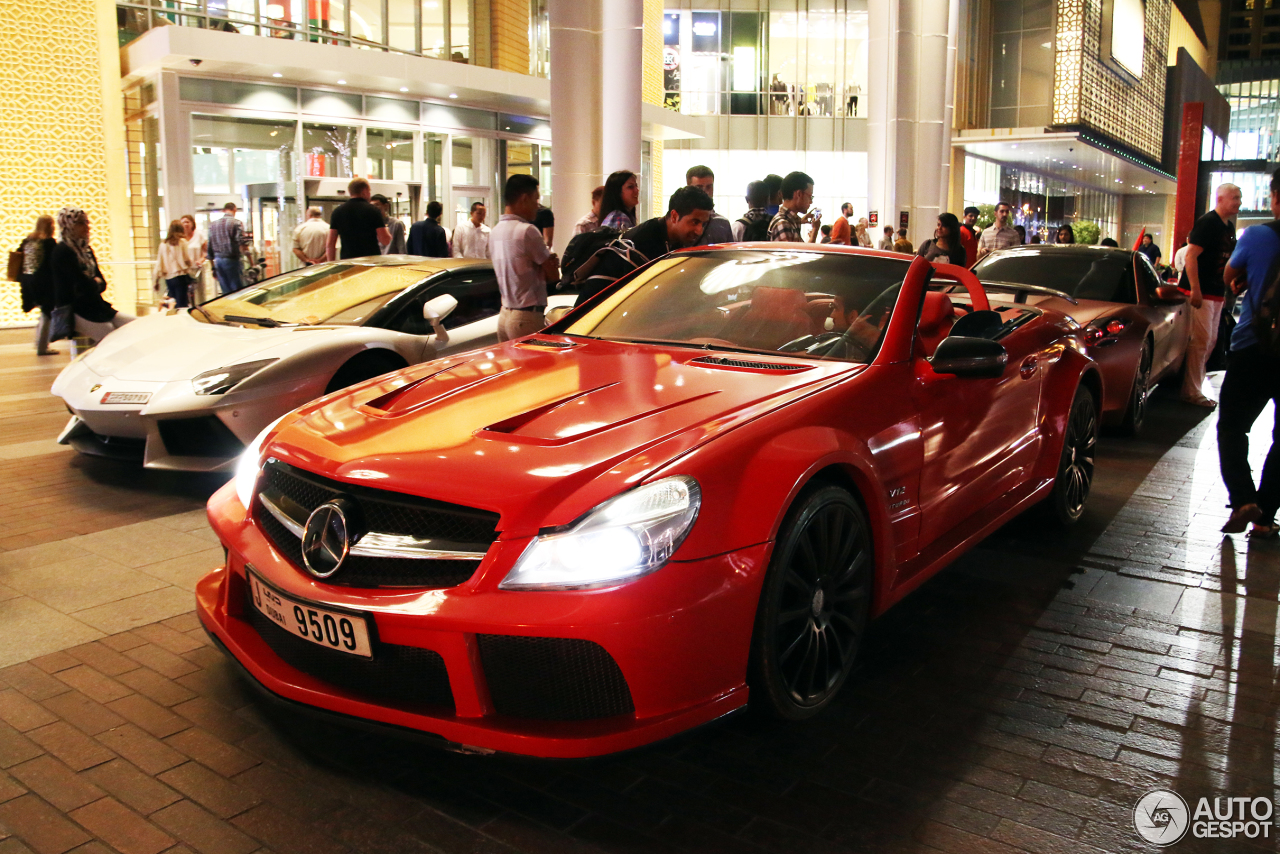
column 427, row 237
column 358, row 223
column 1209, row 247
column 546, row 223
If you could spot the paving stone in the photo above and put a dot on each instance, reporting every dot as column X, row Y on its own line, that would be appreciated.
column 56, row 783
column 40, row 826
column 121, row 828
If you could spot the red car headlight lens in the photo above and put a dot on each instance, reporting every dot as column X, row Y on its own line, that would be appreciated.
column 620, row 540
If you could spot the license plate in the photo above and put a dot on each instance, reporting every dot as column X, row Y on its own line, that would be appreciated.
column 330, row 629
column 126, row 397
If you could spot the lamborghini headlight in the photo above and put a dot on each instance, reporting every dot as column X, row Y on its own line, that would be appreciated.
column 250, row 464
column 622, row 539
column 222, row 380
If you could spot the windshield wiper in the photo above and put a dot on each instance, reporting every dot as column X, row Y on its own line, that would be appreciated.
column 207, row 315
column 269, row 322
column 721, row 347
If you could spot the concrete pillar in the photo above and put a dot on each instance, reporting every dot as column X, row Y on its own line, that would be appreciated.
column 911, row 53
column 597, row 61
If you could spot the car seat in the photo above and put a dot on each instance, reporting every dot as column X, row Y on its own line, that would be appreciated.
column 936, row 318
column 776, row 316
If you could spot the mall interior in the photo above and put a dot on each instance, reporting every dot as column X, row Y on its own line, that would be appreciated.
column 1089, row 689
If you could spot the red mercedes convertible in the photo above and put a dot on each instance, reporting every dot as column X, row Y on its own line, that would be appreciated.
column 698, row 486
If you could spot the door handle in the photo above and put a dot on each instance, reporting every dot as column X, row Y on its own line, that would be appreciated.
column 1028, row 367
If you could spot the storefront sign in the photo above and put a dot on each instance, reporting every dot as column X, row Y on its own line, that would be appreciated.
column 902, row 219
column 874, row 218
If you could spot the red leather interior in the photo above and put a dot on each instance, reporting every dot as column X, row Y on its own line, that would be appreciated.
column 936, row 318
column 776, row 316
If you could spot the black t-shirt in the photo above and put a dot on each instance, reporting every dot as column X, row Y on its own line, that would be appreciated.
column 357, row 222
column 1217, row 240
column 545, row 218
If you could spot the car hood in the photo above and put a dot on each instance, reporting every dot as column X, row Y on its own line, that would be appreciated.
column 538, row 435
column 168, row 347
column 1083, row 312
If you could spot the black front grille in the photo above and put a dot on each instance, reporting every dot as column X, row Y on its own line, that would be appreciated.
column 404, row 674
column 385, row 512
column 206, row 436
column 554, row 679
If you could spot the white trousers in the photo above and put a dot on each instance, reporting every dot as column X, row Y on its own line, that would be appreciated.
column 1204, row 335
column 98, row 331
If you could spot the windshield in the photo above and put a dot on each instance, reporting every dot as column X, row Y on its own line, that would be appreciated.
column 815, row 304
column 342, row 294
column 1082, row 273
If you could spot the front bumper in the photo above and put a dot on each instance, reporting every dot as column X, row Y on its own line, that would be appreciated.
column 680, row 638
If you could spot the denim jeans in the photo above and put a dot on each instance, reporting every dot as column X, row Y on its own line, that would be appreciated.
column 1251, row 382
column 227, row 269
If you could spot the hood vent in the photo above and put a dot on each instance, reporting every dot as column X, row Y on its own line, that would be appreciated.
column 551, row 345
column 726, row 362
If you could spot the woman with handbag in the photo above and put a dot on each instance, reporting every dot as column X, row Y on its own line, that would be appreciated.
column 37, row 280
column 79, row 283
column 175, row 264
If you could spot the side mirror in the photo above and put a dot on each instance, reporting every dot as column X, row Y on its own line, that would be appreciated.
column 969, row 357
column 439, row 308
column 1170, row 293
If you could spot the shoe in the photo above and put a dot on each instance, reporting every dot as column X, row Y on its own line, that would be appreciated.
column 1264, row 531
column 1241, row 517
column 48, row 352
column 1201, row 401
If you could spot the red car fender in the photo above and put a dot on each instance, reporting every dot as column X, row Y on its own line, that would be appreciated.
column 747, row 491
column 1072, row 370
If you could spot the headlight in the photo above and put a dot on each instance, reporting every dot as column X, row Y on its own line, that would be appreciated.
column 249, row 464
column 1107, row 328
column 620, row 540
column 222, row 380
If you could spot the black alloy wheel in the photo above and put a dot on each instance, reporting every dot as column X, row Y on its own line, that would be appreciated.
column 1136, row 412
column 1075, row 466
column 814, row 606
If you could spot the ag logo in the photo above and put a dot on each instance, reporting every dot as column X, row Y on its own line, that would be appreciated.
column 1161, row 817
column 326, row 539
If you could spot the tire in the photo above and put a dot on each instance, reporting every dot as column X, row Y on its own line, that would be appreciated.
column 814, row 605
column 1071, row 487
column 1136, row 412
column 364, row 366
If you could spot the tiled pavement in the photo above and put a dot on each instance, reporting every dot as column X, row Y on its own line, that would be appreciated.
column 1021, row 701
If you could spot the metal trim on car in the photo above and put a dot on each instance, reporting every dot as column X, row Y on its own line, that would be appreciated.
column 380, row 545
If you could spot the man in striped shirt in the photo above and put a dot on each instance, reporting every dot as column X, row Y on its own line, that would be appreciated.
column 226, row 237
column 1000, row 235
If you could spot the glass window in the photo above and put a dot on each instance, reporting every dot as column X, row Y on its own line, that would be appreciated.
column 459, row 30
column 330, row 103
column 328, row 150
column 1083, row 273
column 433, row 37
column 390, row 154
column 433, row 163
column 212, row 169
column 255, row 96
column 391, row 109
column 401, row 26
column 233, row 152
column 327, row 17
column 366, row 21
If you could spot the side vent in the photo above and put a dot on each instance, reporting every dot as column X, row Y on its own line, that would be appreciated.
column 726, row 362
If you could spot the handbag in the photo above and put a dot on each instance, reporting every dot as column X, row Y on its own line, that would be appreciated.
column 16, row 258
column 63, row 324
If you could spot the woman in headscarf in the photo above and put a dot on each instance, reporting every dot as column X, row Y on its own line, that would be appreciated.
column 79, row 281
column 37, row 280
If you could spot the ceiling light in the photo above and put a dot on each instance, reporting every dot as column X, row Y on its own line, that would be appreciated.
column 453, row 94
column 276, row 74
column 342, row 83
column 404, row 88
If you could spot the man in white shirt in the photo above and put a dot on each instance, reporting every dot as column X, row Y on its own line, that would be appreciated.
column 521, row 260
column 310, row 238
column 471, row 239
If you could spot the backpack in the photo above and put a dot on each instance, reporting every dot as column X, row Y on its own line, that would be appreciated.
column 611, row 262
column 754, row 229
column 1266, row 320
column 580, row 249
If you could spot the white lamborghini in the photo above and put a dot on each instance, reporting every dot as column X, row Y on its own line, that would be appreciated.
column 189, row 388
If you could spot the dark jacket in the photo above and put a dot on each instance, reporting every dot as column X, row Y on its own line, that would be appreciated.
column 37, row 287
column 72, row 287
column 427, row 238
column 650, row 237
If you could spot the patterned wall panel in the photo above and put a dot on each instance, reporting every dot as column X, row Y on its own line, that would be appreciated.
column 1090, row 93
column 56, row 124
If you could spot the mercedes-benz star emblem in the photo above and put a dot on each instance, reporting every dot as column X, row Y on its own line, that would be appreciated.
column 327, row 537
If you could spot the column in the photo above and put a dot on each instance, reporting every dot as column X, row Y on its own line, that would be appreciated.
column 911, row 69
column 597, row 57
